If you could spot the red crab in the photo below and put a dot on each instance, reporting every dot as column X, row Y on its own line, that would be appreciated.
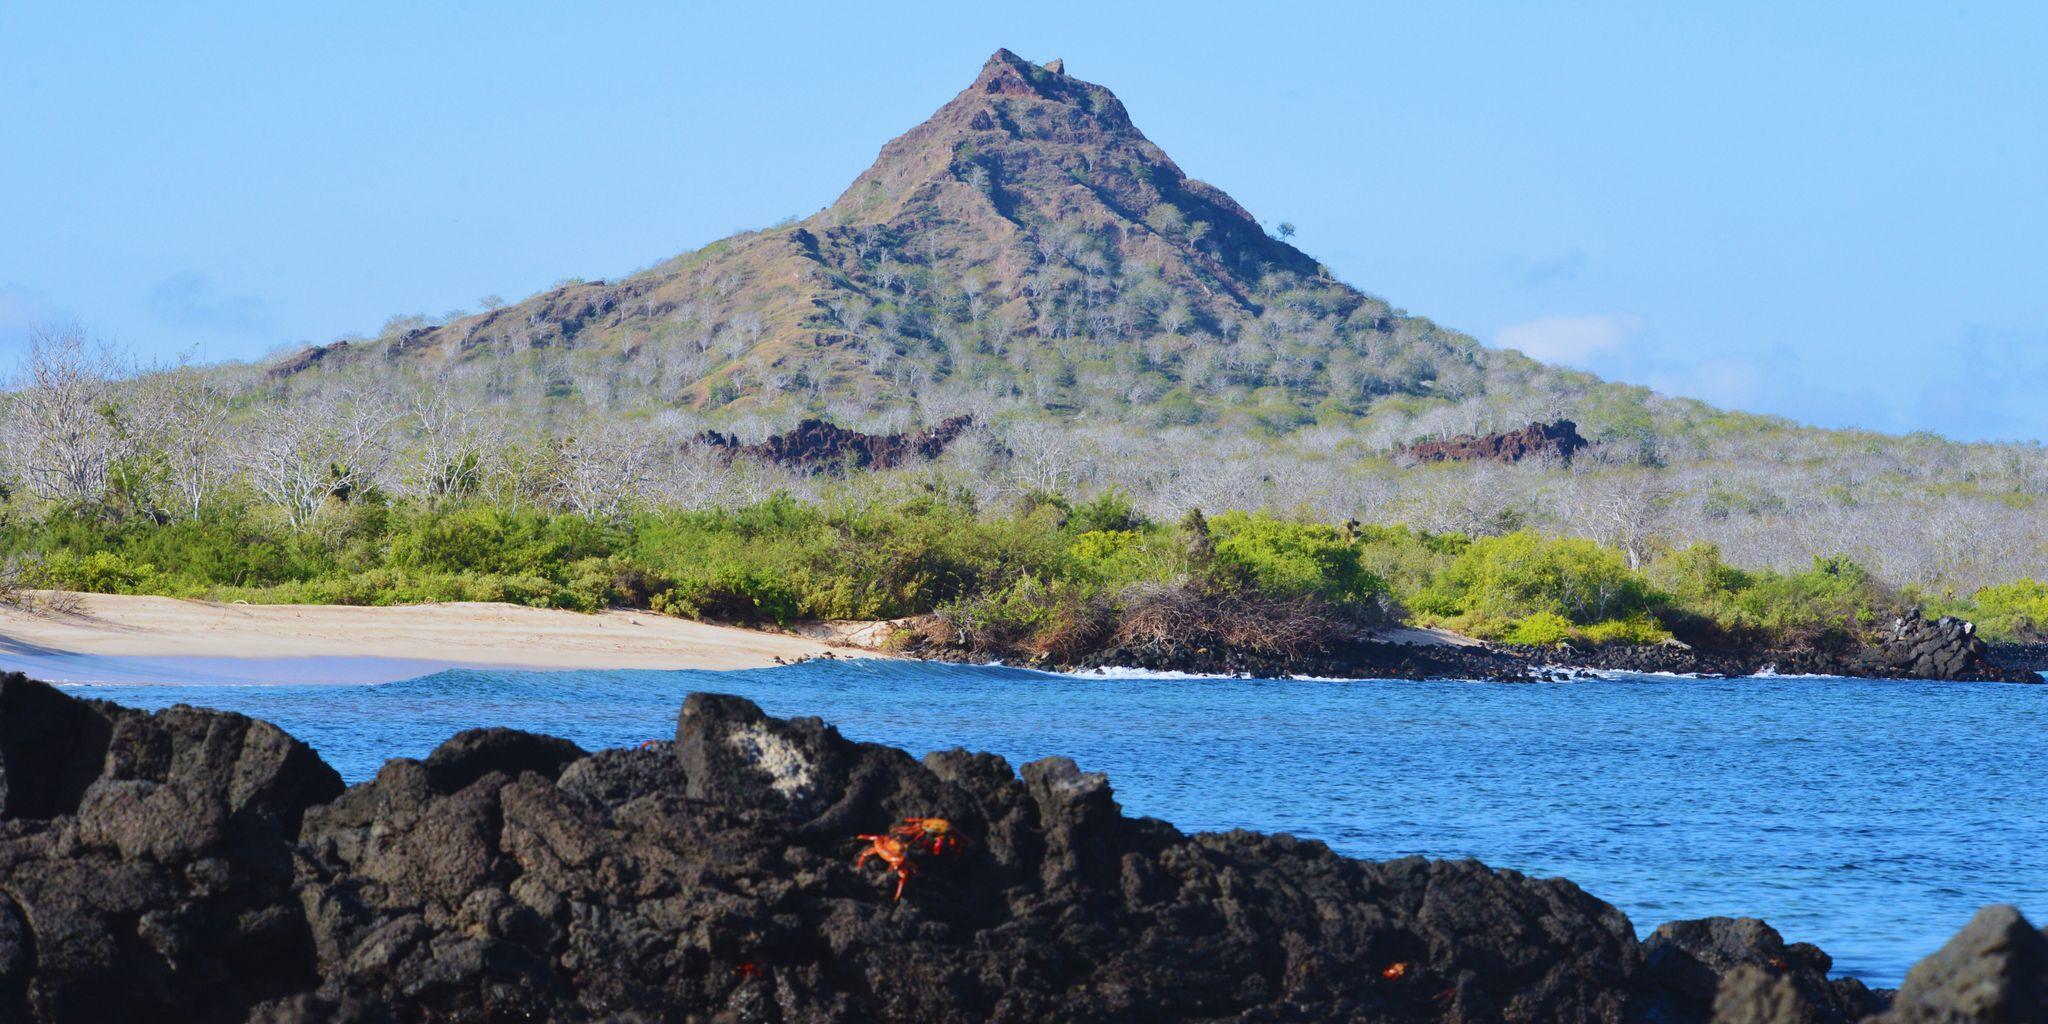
column 895, row 848
column 932, row 834
column 891, row 851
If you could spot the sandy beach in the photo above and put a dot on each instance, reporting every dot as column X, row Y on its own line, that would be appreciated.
column 136, row 629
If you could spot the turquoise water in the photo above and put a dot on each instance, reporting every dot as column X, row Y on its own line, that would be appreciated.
column 1869, row 817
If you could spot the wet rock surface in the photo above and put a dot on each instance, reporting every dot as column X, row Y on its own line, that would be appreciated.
column 1358, row 659
column 213, row 869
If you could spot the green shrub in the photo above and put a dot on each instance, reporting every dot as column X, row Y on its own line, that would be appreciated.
column 1638, row 629
column 1408, row 560
column 1831, row 600
column 1543, row 629
column 1697, row 576
column 1290, row 559
column 1110, row 510
column 1520, row 574
column 1826, row 603
column 98, row 572
column 388, row 586
column 1111, row 559
column 732, row 593
column 2013, row 611
column 1044, row 571
column 491, row 540
column 1059, row 619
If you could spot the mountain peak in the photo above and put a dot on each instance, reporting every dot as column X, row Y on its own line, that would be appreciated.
column 1037, row 146
column 1008, row 74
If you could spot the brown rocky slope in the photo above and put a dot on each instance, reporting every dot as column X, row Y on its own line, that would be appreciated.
column 1027, row 215
column 195, row 865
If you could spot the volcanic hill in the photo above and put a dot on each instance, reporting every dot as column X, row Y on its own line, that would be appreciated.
column 1027, row 241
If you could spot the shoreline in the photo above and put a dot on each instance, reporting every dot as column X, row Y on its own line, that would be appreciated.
column 126, row 639
column 110, row 628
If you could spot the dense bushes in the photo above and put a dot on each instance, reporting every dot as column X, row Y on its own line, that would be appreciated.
column 1040, row 575
column 1825, row 604
column 1290, row 559
column 1523, row 588
column 2014, row 611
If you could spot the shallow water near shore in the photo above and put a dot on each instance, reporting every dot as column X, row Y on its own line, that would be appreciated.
column 1868, row 817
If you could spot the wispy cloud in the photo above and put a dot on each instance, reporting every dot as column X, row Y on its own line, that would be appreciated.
column 1731, row 382
column 1545, row 270
column 1989, row 386
column 21, row 311
column 191, row 299
column 1571, row 340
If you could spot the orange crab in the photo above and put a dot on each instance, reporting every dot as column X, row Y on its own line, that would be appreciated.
column 896, row 847
column 933, row 834
column 891, row 851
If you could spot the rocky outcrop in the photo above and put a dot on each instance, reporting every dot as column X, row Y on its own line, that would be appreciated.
column 1946, row 648
column 1995, row 969
column 146, row 861
column 211, row 869
column 817, row 445
column 1559, row 440
column 1911, row 648
column 1695, row 963
column 305, row 359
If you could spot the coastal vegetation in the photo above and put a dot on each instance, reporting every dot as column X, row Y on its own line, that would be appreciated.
column 165, row 482
column 1035, row 572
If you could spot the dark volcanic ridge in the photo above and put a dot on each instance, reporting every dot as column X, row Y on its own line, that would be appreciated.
column 818, row 446
column 1559, row 440
column 193, row 865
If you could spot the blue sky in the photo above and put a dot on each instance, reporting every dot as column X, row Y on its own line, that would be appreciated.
column 1835, row 212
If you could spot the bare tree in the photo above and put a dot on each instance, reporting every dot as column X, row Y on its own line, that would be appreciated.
column 180, row 420
column 62, row 432
column 301, row 454
column 600, row 470
column 1626, row 510
column 1048, row 457
column 453, row 442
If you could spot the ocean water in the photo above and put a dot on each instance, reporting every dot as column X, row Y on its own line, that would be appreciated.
column 1869, row 817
